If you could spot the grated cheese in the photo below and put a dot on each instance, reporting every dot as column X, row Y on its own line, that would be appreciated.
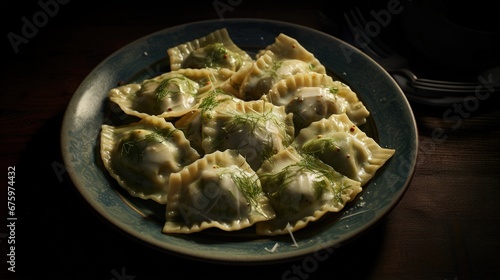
column 272, row 250
column 289, row 228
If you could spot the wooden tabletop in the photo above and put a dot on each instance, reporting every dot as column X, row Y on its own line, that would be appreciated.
column 447, row 225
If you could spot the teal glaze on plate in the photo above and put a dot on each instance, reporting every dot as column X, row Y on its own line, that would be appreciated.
column 391, row 123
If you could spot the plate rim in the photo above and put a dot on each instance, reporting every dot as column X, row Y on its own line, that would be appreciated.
column 98, row 209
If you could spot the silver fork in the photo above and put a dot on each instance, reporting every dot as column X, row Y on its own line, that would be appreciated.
column 422, row 90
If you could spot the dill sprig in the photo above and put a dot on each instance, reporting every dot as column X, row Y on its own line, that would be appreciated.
column 159, row 135
column 255, row 121
column 133, row 148
column 249, row 186
column 214, row 56
column 334, row 180
column 273, row 70
column 339, row 191
column 333, row 90
column 323, row 175
column 313, row 164
column 216, row 52
column 256, row 125
column 320, row 145
column 184, row 85
column 212, row 100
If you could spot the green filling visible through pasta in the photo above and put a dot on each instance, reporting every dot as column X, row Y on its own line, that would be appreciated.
column 213, row 56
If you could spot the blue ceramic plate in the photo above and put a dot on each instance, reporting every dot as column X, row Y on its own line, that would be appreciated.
column 391, row 123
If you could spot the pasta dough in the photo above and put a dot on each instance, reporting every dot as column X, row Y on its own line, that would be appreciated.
column 338, row 142
column 142, row 155
column 277, row 61
column 219, row 190
column 312, row 97
column 215, row 50
column 256, row 129
column 301, row 189
column 172, row 94
column 229, row 141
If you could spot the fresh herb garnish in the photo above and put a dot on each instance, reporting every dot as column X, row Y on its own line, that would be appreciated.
column 212, row 100
column 249, row 186
column 256, row 122
column 273, row 70
column 133, row 148
column 253, row 124
column 333, row 90
column 213, row 56
column 324, row 177
column 320, row 145
column 183, row 85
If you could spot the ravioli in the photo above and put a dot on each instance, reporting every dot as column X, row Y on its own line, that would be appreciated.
column 266, row 71
column 229, row 141
column 285, row 47
column 215, row 50
column 284, row 57
column 312, row 97
column 169, row 95
column 219, row 190
column 192, row 122
column 256, row 129
column 142, row 155
column 338, row 142
column 301, row 190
